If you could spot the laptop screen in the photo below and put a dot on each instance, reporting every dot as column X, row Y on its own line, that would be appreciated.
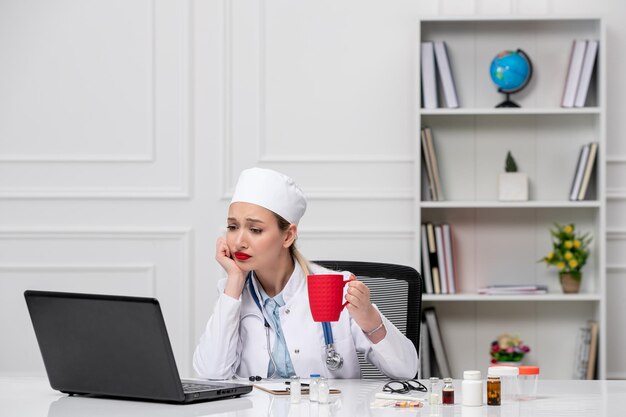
column 105, row 345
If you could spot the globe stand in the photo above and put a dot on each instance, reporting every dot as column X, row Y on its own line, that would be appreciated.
column 507, row 102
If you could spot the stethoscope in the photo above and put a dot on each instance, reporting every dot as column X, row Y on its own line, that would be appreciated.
column 334, row 360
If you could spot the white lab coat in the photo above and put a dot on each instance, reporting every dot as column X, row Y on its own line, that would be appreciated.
column 234, row 342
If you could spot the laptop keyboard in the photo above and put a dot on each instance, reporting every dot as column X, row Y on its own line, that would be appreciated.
column 193, row 387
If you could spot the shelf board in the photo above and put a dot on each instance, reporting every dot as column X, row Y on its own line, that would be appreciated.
column 488, row 298
column 525, row 111
column 509, row 204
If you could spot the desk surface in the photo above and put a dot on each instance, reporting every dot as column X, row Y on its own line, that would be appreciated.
column 33, row 397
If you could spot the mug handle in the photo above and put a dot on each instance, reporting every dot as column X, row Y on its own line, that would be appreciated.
column 345, row 281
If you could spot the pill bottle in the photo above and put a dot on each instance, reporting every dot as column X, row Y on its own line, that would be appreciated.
column 435, row 391
column 323, row 395
column 313, row 391
column 472, row 389
column 295, row 391
column 493, row 390
column 508, row 381
column 528, row 378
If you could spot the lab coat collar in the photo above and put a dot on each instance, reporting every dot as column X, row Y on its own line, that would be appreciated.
column 294, row 284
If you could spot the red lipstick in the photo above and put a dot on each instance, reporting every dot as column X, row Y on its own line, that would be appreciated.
column 242, row 256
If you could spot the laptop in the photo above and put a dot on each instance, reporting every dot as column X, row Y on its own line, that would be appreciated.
column 115, row 346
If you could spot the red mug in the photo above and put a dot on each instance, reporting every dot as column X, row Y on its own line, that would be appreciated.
column 326, row 296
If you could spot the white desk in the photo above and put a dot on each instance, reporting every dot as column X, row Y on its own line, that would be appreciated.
column 32, row 397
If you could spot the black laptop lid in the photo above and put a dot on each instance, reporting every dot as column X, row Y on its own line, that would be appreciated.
column 105, row 345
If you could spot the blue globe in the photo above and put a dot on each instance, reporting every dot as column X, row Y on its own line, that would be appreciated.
column 510, row 71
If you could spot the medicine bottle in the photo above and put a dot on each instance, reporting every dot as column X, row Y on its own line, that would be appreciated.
column 493, row 390
column 323, row 390
column 435, row 391
column 295, row 391
column 472, row 389
column 313, row 391
column 447, row 392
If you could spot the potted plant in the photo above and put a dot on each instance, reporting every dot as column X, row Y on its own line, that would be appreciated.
column 513, row 185
column 569, row 254
column 508, row 349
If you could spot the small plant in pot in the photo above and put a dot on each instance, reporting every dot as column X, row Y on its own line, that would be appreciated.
column 513, row 185
column 569, row 254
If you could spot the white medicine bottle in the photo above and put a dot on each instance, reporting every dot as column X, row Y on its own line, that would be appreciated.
column 472, row 389
column 313, row 389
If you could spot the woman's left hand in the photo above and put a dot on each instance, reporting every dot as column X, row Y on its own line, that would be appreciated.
column 360, row 306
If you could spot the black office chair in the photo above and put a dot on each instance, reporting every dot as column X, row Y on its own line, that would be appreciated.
column 397, row 292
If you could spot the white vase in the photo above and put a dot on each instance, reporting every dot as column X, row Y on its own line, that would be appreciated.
column 513, row 186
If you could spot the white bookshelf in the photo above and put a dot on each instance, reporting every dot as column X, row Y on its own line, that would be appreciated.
column 498, row 242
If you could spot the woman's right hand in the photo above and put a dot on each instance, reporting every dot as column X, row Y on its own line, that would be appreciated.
column 236, row 276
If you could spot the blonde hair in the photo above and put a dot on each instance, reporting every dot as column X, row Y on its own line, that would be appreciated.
column 283, row 225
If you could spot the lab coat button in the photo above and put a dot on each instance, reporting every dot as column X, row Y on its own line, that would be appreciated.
column 287, row 311
column 296, row 351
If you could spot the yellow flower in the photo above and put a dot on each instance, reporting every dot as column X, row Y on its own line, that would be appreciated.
column 568, row 255
column 573, row 263
column 560, row 265
column 550, row 256
column 577, row 243
column 568, row 229
column 568, row 244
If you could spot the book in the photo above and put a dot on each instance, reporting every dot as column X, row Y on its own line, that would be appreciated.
column 580, row 367
column 429, row 78
column 435, row 165
column 441, row 259
column 585, row 76
column 428, row 165
column 590, row 163
column 425, row 347
column 577, row 56
column 426, row 272
column 445, row 74
column 447, row 243
column 579, row 173
column 432, row 254
column 593, row 350
column 436, row 339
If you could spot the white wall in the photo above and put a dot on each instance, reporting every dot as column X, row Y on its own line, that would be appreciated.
column 124, row 124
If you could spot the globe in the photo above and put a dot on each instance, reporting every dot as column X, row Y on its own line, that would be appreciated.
column 510, row 71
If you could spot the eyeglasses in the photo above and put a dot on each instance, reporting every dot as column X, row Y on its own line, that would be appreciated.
column 397, row 386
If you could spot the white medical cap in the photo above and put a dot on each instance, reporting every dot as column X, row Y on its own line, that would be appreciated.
column 271, row 190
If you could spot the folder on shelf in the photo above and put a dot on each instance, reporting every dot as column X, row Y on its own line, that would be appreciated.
column 425, row 347
column 577, row 56
column 593, row 350
column 445, row 74
column 593, row 150
column 441, row 259
column 449, row 252
column 426, row 272
column 585, row 76
column 432, row 254
column 579, row 173
column 433, row 161
column 429, row 77
column 434, row 331
column 428, row 166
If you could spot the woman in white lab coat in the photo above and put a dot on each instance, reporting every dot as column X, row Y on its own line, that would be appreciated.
column 262, row 323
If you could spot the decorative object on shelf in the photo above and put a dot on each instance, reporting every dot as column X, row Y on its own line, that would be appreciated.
column 508, row 349
column 513, row 185
column 569, row 254
column 511, row 71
